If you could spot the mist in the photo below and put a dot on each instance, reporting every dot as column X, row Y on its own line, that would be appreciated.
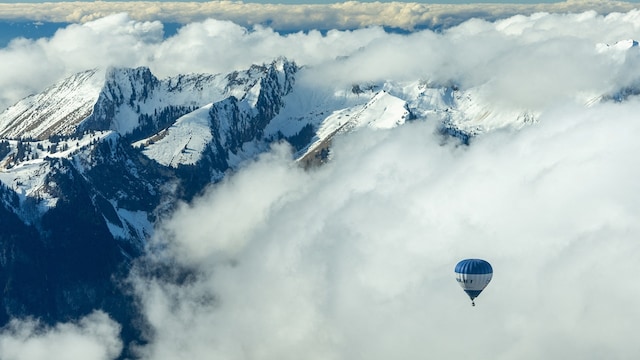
column 354, row 259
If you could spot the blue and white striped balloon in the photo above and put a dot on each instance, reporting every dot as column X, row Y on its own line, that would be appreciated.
column 473, row 275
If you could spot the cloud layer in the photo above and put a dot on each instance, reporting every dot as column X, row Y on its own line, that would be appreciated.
column 354, row 260
column 526, row 59
column 288, row 17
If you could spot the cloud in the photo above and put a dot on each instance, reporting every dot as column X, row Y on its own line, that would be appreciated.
column 355, row 259
column 94, row 337
column 289, row 17
column 519, row 62
column 526, row 61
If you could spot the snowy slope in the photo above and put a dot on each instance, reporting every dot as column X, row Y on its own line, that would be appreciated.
column 381, row 111
column 57, row 110
column 131, row 95
column 114, row 99
column 183, row 142
column 26, row 171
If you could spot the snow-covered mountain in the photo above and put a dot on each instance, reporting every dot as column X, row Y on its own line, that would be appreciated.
column 90, row 165
column 122, row 100
column 57, row 110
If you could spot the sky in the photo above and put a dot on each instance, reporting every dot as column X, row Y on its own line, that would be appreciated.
column 354, row 260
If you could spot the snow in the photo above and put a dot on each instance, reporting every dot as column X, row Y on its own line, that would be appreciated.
column 27, row 176
column 136, row 221
column 61, row 108
column 193, row 90
column 28, row 181
column 318, row 107
column 251, row 97
column 183, row 142
column 56, row 110
column 382, row 111
column 422, row 97
column 328, row 111
column 465, row 109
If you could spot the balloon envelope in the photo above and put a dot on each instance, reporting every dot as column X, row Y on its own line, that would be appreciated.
column 473, row 275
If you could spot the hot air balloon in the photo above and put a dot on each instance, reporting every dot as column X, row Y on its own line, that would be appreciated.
column 473, row 275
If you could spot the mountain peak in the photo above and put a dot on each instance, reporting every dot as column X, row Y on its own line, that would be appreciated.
column 56, row 111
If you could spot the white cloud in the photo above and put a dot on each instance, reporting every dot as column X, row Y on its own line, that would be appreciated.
column 355, row 259
column 340, row 15
column 526, row 61
column 523, row 61
column 94, row 337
